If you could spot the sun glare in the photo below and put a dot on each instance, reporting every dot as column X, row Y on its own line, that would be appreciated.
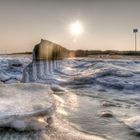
column 76, row 28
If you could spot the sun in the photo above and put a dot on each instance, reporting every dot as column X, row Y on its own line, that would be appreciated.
column 76, row 28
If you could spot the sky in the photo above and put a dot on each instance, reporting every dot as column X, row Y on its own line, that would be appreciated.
column 107, row 24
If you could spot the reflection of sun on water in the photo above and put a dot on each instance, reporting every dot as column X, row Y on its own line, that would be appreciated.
column 66, row 102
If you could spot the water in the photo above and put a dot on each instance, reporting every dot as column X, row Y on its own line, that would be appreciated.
column 84, row 88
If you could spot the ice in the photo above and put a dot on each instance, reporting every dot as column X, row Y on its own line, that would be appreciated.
column 83, row 88
column 22, row 105
column 11, row 68
column 133, row 122
column 107, row 73
column 3, row 77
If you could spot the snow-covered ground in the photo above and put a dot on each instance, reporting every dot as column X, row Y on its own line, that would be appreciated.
column 92, row 96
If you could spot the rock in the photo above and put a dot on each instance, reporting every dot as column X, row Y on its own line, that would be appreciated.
column 50, row 121
column 47, row 50
column 46, row 55
column 108, row 104
column 57, row 88
column 106, row 114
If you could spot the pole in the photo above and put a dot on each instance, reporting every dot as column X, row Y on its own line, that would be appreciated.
column 135, row 31
column 135, row 41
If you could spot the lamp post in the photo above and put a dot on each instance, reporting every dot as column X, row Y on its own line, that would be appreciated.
column 135, row 32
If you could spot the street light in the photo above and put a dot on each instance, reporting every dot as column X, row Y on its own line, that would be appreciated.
column 135, row 31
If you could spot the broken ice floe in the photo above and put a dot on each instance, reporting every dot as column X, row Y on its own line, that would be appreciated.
column 25, row 106
column 11, row 68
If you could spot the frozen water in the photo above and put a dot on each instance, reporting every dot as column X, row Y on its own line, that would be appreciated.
column 133, row 122
column 107, row 73
column 22, row 104
column 11, row 68
column 82, row 86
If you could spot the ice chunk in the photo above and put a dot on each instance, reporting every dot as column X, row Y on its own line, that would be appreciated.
column 11, row 68
column 134, row 123
column 4, row 77
column 18, row 124
column 21, row 105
